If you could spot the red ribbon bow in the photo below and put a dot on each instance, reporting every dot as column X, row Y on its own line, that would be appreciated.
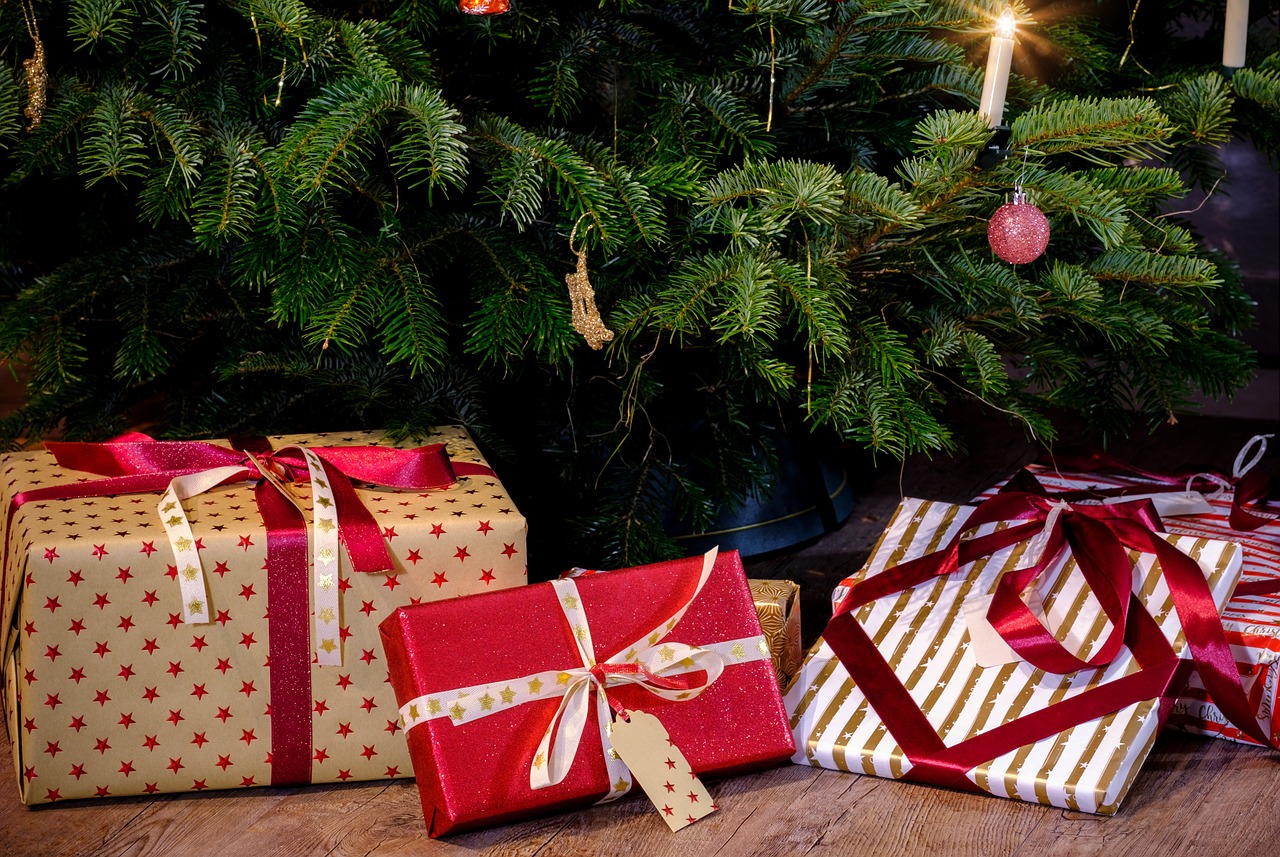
column 136, row 463
column 1100, row 538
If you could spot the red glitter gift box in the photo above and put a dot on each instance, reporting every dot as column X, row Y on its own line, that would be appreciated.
column 489, row 684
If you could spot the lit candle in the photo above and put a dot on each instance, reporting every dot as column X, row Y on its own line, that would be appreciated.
column 996, row 82
column 1236, row 33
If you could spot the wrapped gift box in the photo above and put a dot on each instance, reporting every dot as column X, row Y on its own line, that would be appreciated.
column 1252, row 622
column 109, row 691
column 778, row 606
column 967, row 692
column 481, row 679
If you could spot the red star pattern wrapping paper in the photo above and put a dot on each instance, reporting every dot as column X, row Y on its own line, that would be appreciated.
column 109, row 692
column 518, row 644
column 1252, row 622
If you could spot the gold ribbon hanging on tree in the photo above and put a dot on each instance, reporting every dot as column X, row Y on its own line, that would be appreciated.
column 582, row 297
column 37, row 72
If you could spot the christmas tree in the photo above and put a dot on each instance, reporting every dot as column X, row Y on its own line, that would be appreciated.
column 259, row 216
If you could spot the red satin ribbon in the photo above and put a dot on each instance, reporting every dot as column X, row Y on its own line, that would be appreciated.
column 1099, row 537
column 1252, row 489
column 135, row 463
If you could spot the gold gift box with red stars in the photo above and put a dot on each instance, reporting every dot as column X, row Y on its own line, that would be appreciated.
column 109, row 691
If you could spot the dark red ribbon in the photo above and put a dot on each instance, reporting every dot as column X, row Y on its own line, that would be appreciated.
column 1254, row 489
column 135, row 463
column 1099, row 537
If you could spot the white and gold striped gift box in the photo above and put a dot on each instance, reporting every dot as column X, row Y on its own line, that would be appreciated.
column 923, row 634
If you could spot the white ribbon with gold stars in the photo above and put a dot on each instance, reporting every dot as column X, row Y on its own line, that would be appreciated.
column 326, row 636
column 324, row 565
column 577, row 687
column 186, row 557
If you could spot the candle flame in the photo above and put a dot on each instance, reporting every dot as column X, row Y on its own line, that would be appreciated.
column 1006, row 24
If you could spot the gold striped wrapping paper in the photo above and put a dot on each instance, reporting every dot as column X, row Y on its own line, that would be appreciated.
column 923, row 634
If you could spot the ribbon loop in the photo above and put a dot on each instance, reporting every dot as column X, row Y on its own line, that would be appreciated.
column 1243, row 466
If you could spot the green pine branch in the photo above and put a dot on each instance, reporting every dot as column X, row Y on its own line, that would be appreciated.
column 1092, row 128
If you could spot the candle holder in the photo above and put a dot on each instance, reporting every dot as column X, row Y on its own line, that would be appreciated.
column 994, row 151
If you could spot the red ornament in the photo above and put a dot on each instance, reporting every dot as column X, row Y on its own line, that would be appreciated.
column 1018, row 231
column 484, row 7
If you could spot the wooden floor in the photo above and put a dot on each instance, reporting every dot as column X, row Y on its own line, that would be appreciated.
column 1194, row 796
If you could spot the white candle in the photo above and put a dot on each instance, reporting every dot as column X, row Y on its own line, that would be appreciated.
column 1237, row 31
column 996, row 82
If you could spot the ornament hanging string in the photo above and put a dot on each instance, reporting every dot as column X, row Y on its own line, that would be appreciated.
column 582, row 296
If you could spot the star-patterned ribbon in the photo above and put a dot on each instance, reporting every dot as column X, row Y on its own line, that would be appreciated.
column 324, row 544
column 667, row 669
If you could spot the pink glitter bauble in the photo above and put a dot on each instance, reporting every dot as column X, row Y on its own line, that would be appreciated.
column 1018, row 231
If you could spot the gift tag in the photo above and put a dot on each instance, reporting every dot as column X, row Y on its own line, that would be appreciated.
column 987, row 647
column 661, row 770
column 1171, row 504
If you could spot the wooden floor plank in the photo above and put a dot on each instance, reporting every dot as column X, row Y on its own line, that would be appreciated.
column 48, row 830
column 1194, row 795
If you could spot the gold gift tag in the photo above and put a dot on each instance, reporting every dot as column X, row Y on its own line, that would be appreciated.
column 661, row 770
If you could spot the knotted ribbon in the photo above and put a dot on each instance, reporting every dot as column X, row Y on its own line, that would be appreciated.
column 666, row 669
column 135, row 463
column 1099, row 538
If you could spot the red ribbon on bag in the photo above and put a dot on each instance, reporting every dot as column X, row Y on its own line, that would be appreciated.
column 1251, row 488
column 136, row 463
column 1100, row 538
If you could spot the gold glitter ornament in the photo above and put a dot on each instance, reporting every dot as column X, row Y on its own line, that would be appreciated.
column 582, row 299
column 37, row 72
